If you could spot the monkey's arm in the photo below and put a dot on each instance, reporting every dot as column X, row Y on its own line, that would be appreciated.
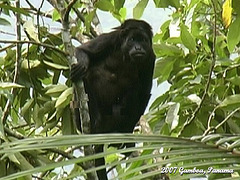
column 101, row 45
column 94, row 50
column 79, row 69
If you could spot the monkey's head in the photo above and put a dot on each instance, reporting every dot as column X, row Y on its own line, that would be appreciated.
column 136, row 37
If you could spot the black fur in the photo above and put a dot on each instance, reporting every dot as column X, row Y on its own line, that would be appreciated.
column 117, row 70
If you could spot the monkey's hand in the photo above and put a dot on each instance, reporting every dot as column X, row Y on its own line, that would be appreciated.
column 79, row 70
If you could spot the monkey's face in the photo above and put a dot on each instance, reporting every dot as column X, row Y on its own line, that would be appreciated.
column 136, row 45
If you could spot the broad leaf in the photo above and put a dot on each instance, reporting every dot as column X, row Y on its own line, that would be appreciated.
column 4, row 22
column 187, row 38
column 31, row 30
column 104, row 5
column 233, row 37
column 172, row 117
column 231, row 100
column 64, row 98
column 138, row 10
column 9, row 85
column 164, row 68
column 167, row 3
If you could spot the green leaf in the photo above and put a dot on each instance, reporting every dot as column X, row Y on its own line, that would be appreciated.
column 67, row 126
column 231, row 100
column 30, row 64
column 56, row 66
column 193, row 3
column 24, row 164
column 233, row 37
column 38, row 121
column 183, row 151
column 31, row 29
column 14, row 9
column 64, row 98
column 119, row 4
column 194, row 98
column 166, row 50
column 4, row 168
column 9, row 85
column 164, row 68
column 235, row 5
column 89, row 19
column 56, row 89
column 187, row 38
column 27, row 109
column 158, row 101
column 235, row 80
column 139, row 9
column 104, row 5
column 2, row 133
column 167, row 3
column 233, row 126
column 56, row 15
column 197, row 80
column 172, row 115
column 49, row 106
column 4, row 22
column 123, row 13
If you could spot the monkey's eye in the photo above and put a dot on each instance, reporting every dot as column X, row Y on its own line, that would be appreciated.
column 143, row 39
column 131, row 39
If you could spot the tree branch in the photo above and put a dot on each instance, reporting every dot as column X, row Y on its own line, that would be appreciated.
column 36, row 43
column 67, row 10
column 80, row 96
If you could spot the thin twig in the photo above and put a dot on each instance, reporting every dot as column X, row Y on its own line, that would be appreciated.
column 5, row 48
column 31, row 6
column 227, row 118
column 211, row 116
column 36, row 43
column 209, row 129
column 68, row 9
column 81, row 17
column 36, row 11
column 234, row 66
column 13, row 134
column 8, row 33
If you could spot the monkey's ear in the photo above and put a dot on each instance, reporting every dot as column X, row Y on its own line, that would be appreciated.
column 122, row 26
column 119, row 27
column 123, row 33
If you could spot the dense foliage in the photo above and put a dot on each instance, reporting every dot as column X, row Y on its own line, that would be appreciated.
column 197, row 51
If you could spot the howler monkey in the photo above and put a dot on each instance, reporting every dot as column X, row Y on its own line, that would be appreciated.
column 117, row 70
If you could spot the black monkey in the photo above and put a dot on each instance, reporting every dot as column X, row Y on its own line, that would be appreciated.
column 117, row 70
